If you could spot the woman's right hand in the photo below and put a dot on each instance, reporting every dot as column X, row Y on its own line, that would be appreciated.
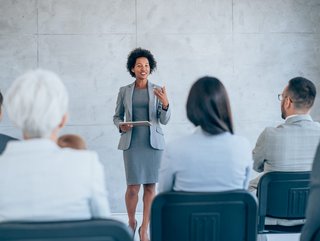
column 125, row 127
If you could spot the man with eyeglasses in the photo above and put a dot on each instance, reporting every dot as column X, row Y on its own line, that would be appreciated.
column 292, row 145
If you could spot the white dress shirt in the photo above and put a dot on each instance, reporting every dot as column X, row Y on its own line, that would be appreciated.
column 41, row 182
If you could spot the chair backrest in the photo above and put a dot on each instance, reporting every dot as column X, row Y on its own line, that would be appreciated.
column 316, row 235
column 223, row 216
column 283, row 195
column 90, row 230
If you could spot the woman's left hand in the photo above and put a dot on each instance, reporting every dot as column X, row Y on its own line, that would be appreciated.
column 161, row 93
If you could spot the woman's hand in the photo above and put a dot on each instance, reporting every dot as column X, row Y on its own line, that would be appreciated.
column 161, row 93
column 125, row 127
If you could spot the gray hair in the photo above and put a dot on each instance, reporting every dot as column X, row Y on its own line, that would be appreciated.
column 36, row 102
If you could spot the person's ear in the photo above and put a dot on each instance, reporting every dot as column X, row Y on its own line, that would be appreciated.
column 288, row 103
column 1, row 113
column 63, row 121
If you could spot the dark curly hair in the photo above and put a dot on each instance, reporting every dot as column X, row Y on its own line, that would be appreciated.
column 137, row 53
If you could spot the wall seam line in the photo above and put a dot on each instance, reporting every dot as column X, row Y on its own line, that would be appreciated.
column 37, row 2
column 136, row 15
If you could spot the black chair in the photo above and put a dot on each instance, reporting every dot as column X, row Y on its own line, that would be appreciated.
column 223, row 216
column 90, row 230
column 282, row 195
column 316, row 236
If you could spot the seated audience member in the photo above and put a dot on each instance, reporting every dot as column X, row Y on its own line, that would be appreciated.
column 292, row 145
column 313, row 211
column 4, row 139
column 38, row 180
column 212, row 158
column 72, row 141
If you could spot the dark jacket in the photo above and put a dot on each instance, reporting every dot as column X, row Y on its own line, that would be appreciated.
column 4, row 139
column 313, row 210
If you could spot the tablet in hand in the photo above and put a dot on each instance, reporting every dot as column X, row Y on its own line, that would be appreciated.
column 136, row 123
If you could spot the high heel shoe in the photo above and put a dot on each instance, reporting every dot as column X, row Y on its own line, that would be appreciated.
column 139, row 233
column 139, row 230
column 134, row 229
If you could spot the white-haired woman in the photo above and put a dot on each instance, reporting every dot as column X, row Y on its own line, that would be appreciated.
column 39, row 180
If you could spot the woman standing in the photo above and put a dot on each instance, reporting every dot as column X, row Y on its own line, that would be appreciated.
column 142, row 145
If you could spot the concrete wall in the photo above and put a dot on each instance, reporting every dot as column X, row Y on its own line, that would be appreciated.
column 253, row 46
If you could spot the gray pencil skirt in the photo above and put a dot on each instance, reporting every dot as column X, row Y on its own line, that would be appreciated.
column 142, row 165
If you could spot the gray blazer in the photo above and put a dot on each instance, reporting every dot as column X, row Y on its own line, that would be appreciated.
column 289, row 147
column 156, row 116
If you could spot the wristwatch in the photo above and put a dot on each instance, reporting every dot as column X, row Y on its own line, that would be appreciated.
column 165, row 108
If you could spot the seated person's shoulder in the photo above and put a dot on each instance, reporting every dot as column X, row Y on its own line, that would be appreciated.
column 6, row 137
column 241, row 143
column 274, row 130
column 80, row 155
column 303, row 127
column 240, row 139
column 315, row 125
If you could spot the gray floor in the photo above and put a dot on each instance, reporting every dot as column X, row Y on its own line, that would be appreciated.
column 273, row 237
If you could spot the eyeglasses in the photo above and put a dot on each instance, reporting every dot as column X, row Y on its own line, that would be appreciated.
column 280, row 97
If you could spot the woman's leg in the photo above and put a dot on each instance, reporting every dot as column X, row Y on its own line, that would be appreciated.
column 149, row 191
column 131, row 203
